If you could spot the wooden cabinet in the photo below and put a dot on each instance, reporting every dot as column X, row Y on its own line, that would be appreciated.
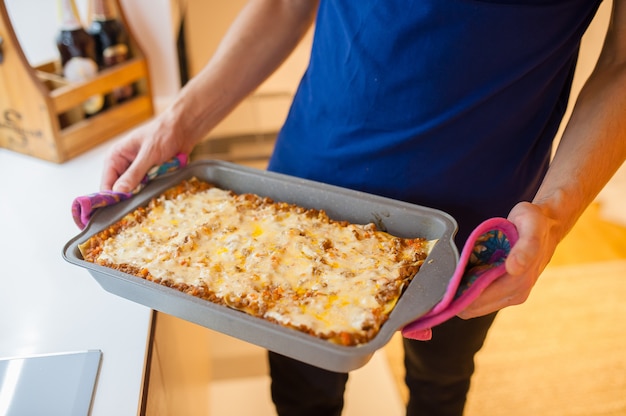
column 179, row 369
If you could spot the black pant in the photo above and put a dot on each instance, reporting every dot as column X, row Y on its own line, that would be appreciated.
column 438, row 375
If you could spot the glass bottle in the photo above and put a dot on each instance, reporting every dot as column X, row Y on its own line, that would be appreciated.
column 111, row 42
column 77, row 51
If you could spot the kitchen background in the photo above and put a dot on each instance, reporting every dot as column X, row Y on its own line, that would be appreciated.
column 572, row 365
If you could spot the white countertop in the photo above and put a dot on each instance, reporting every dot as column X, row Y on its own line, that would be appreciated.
column 50, row 306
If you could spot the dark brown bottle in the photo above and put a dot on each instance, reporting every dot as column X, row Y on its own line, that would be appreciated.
column 78, row 52
column 111, row 42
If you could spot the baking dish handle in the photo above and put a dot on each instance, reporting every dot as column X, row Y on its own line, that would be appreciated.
column 481, row 262
column 83, row 207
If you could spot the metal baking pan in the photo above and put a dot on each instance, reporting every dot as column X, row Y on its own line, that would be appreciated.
column 396, row 217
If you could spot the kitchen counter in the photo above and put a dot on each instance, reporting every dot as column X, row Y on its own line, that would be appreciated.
column 49, row 306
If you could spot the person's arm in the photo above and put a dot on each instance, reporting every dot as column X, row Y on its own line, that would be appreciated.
column 591, row 150
column 259, row 40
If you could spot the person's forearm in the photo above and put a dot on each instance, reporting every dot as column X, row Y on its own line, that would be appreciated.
column 259, row 40
column 593, row 146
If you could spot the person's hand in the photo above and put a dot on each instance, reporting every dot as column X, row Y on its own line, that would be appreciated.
column 146, row 146
column 527, row 259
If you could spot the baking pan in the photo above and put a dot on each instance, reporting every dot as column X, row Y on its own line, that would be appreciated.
column 397, row 218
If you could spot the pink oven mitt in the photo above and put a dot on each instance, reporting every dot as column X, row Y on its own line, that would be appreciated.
column 481, row 262
column 83, row 207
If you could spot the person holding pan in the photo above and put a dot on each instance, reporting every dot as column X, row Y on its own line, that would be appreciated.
column 449, row 104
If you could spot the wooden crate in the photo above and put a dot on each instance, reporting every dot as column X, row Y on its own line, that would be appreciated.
column 40, row 112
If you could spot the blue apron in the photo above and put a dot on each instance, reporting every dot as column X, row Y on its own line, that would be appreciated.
column 451, row 104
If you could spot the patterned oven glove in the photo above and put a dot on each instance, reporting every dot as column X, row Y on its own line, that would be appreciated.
column 481, row 262
column 83, row 207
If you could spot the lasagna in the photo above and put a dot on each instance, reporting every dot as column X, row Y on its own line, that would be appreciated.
column 281, row 262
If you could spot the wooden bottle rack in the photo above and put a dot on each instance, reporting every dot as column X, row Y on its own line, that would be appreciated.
column 41, row 112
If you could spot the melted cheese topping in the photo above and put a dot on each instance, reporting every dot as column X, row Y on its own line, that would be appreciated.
column 298, row 269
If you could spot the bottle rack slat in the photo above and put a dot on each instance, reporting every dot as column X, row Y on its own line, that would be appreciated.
column 40, row 112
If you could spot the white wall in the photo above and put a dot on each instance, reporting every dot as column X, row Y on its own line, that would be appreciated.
column 151, row 22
